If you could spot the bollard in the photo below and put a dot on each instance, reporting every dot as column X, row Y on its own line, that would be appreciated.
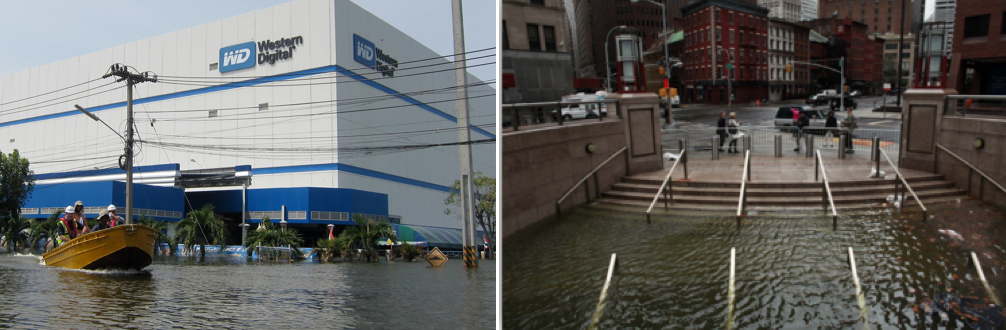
column 841, row 146
column 715, row 147
column 873, row 149
column 778, row 145
column 748, row 145
column 684, row 160
column 810, row 145
column 875, row 153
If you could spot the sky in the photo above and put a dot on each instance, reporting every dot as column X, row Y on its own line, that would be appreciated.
column 46, row 31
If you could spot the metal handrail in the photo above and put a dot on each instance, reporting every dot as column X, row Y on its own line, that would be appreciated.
column 515, row 107
column 898, row 176
column 973, row 168
column 593, row 172
column 744, row 179
column 665, row 184
column 827, row 191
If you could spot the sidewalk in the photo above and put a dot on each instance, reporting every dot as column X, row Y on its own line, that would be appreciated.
column 790, row 168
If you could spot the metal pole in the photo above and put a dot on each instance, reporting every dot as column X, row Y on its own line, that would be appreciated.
column 129, row 150
column 607, row 64
column 841, row 147
column 841, row 89
column 809, row 138
column 876, row 154
column 778, row 145
column 597, row 187
column 464, row 156
column 817, row 167
column 244, row 213
column 715, row 147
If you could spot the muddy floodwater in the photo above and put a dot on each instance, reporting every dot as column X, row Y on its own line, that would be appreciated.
column 231, row 293
column 792, row 269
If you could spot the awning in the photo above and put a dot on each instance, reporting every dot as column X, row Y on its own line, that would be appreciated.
column 434, row 236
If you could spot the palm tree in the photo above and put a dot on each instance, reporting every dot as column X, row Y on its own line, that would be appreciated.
column 161, row 227
column 329, row 249
column 44, row 228
column 201, row 227
column 366, row 232
column 274, row 237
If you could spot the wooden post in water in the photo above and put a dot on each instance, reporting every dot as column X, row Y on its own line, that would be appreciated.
column 604, row 295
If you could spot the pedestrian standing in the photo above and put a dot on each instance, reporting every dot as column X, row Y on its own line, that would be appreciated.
column 850, row 124
column 734, row 132
column 721, row 129
column 830, row 134
column 801, row 122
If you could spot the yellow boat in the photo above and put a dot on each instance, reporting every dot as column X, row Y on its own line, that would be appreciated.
column 122, row 247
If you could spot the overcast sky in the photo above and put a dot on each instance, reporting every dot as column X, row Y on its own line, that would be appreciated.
column 39, row 32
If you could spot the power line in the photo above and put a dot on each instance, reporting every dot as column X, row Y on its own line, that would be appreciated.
column 12, row 110
column 50, row 92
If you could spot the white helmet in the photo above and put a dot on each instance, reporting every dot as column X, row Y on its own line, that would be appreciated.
column 111, row 207
column 69, row 209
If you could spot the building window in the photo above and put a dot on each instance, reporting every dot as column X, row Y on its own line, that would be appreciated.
column 538, row 2
column 533, row 40
column 506, row 41
column 718, row 34
column 549, row 38
column 742, row 37
column 731, row 35
column 976, row 26
column 731, row 16
column 718, row 14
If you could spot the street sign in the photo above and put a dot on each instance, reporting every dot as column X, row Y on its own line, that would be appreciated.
column 730, row 66
column 436, row 258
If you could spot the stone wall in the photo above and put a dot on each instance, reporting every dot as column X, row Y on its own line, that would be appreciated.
column 958, row 134
column 540, row 165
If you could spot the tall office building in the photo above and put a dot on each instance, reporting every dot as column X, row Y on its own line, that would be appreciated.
column 808, row 10
column 786, row 10
column 880, row 16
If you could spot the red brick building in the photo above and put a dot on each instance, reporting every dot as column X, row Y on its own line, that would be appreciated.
column 979, row 52
column 863, row 56
column 722, row 32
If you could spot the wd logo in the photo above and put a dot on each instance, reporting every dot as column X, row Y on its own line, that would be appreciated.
column 364, row 51
column 237, row 57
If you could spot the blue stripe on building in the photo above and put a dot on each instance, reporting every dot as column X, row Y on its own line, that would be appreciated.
column 349, row 169
column 252, row 82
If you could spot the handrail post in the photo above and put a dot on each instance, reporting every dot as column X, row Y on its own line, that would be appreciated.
column 515, row 118
column 817, row 167
column 597, row 187
column 586, row 189
column 715, row 150
column 558, row 112
column 876, row 154
column 684, row 158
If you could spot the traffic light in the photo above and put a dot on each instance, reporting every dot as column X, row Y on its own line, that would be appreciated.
column 663, row 92
column 660, row 69
column 841, row 62
column 789, row 68
column 674, row 92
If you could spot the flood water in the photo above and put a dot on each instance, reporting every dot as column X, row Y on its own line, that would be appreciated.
column 231, row 293
column 792, row 269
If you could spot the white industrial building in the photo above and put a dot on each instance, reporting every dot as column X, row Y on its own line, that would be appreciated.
column 324, row 108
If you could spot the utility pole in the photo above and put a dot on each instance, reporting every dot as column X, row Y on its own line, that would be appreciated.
column 122, row 71
column 465, row 154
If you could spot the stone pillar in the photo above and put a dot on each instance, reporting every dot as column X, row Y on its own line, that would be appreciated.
column 922, row 114
column 641, row 117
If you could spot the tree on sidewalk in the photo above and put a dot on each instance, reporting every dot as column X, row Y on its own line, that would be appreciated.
column 485, row 206
column 16, row 186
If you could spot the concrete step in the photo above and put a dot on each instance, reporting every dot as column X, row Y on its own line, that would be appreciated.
column 791, row 200
column 777, row 192
column 756, row 184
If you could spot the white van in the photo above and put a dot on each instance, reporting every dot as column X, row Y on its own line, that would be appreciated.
column 585, row 110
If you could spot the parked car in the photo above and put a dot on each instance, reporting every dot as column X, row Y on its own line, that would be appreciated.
column 784, row 117
column 818, row 99
column 855, row 93
column 835, row 102
column 581, row 111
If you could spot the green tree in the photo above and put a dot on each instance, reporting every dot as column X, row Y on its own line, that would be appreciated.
column 485, row 206
column 366, row 233
column 161, row 227
column 330, row 249
column 201, row 227
column 16, row 186
column 44, row 228
column 271, row 236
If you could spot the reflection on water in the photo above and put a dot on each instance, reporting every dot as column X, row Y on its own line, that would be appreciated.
column 792, row 270
column 230, row 293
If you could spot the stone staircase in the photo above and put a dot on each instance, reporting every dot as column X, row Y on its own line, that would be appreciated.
column 639, row 191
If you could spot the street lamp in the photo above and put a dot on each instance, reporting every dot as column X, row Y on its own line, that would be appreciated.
column 730, row 90
column 197, row 163
column 607, row 65
column 95, row 118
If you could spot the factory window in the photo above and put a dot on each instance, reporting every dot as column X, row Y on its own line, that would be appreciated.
column 549, row 38
column 533, row 41
column 976, row 26
column 213, row 66
column 213, row 113
column 891, row 46
column 506, row 41
column 263, row 106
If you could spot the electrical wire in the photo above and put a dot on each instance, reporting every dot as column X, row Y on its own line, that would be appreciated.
column 50, row 92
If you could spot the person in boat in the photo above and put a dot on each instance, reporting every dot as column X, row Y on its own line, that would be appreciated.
column 67, row 228
column 108, row 219
column 78, row 211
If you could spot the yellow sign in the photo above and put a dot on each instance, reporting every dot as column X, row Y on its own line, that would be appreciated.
column 390, row 242
column 436, row 258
